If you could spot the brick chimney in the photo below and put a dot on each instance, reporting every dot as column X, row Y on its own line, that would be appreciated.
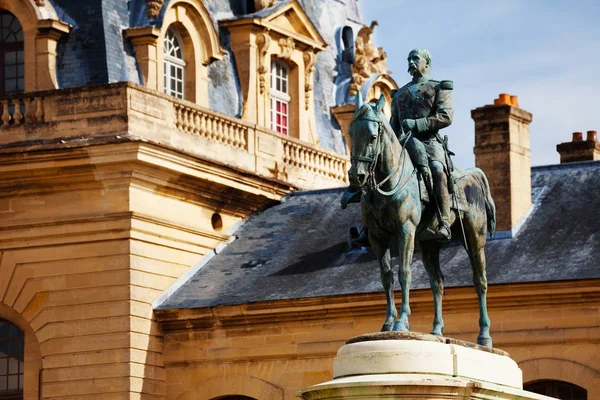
column 502, row 151
column 579, row 149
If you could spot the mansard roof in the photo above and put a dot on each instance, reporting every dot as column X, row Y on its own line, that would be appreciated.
column 298, row 249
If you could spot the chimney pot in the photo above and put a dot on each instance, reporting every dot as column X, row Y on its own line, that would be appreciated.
column 577, row 136
column 504, row 98
column 514, row 100
column 592, row 136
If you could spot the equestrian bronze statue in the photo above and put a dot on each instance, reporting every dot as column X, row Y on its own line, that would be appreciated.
column 388, row 169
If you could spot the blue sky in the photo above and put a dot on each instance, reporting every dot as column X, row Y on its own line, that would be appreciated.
column 547, row 52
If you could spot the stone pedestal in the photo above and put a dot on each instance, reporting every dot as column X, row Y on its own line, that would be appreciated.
column 408, row 365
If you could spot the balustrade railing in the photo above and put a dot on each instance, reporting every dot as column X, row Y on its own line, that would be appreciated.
column 20, row 110
column 234, row 133
column 211, row 126
column 314, row 160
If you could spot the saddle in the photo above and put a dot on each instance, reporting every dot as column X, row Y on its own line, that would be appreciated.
column 461, row 201
column 458, row 201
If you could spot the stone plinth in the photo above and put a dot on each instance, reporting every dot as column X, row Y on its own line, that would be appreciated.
column 392, row 365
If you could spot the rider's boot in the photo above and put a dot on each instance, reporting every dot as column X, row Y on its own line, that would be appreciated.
column 350, row 195
column 363, row 239
column 443, row 200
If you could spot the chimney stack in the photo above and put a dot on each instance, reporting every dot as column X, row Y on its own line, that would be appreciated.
column 502, row 151
column 579, row 149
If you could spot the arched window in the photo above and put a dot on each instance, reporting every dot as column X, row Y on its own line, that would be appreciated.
column 12, row 65
column 347, row 45
column 12, row 349
column 558, row 389
column 174, row 65
column 280, row 98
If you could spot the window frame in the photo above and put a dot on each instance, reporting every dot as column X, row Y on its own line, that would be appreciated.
column 280, row 74
column 12, row 47
column 173, row 62
column 9, row 338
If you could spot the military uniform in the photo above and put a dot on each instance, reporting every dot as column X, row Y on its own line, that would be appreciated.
column 429, row 103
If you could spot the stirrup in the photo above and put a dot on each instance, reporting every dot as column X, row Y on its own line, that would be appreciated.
column 443, row 234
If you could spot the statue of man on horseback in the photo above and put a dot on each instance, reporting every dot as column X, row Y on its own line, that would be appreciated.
column 386, row 156
column 419, row 110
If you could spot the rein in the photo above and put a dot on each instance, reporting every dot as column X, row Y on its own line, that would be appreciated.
column 373, row 163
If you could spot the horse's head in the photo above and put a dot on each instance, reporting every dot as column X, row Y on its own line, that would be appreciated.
column 366, row 128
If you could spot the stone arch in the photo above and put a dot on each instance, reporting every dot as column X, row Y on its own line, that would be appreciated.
column 562, row 370
column 228, row 385
column 33, row 353
column 199, row 23
column 200, row 43
column 384, row 84
column 41, row 30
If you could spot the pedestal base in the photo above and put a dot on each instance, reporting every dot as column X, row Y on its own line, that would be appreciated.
column 408, row 365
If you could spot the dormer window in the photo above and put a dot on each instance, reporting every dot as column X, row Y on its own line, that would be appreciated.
column 347, row 45
column 12, row 65
column 174, row 64
column 280, row 98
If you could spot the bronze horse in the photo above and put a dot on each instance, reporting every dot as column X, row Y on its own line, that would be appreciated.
column 391, row 207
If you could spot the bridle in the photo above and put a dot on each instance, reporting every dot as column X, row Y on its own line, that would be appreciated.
column 371, row 180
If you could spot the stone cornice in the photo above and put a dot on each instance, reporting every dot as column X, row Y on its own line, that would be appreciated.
column 456, row 299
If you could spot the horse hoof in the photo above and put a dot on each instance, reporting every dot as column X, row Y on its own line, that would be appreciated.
column 386, row 327
column 400, row 326
column 484, row 341
column 437, row 332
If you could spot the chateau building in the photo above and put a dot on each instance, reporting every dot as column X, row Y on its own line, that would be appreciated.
column 169, row 177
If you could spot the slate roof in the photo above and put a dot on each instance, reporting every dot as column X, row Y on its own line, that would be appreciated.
column 298, row 249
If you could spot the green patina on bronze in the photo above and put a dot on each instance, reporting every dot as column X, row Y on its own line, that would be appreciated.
column 383, row 176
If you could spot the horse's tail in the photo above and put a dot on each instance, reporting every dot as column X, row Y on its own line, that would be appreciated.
column 490, row 207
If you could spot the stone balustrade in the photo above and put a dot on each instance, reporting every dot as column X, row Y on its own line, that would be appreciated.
column 125, row 111
column 20, row 109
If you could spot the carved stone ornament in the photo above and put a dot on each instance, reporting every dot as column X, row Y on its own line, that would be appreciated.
column 368, row 58
column 40, row 3
column 287, row 46
column 309, row 67
column 153, row 7
column 262, row 4
column 263, row 41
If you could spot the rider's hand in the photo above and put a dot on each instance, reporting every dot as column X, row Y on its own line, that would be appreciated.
column 409, row 125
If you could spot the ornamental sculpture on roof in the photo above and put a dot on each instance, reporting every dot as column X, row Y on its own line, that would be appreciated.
column 369, row 59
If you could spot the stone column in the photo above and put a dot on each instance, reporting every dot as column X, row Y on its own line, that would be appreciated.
column 503, row 152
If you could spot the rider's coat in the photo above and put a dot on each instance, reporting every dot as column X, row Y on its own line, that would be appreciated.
column 429, row 103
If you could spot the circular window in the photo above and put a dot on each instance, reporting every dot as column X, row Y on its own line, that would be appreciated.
column 216, row 221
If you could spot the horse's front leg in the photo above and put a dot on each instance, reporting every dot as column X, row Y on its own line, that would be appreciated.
column 381, row 248
column 430, row 252
column 477, row 256
column 406, row 245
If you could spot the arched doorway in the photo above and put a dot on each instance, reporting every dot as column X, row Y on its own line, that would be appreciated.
column 557, row 389
column 12, row 352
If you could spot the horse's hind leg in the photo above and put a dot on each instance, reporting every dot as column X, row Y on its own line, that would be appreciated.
column 381, row 247
column 406, row 245
column 430, row 251
column 479, row 279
